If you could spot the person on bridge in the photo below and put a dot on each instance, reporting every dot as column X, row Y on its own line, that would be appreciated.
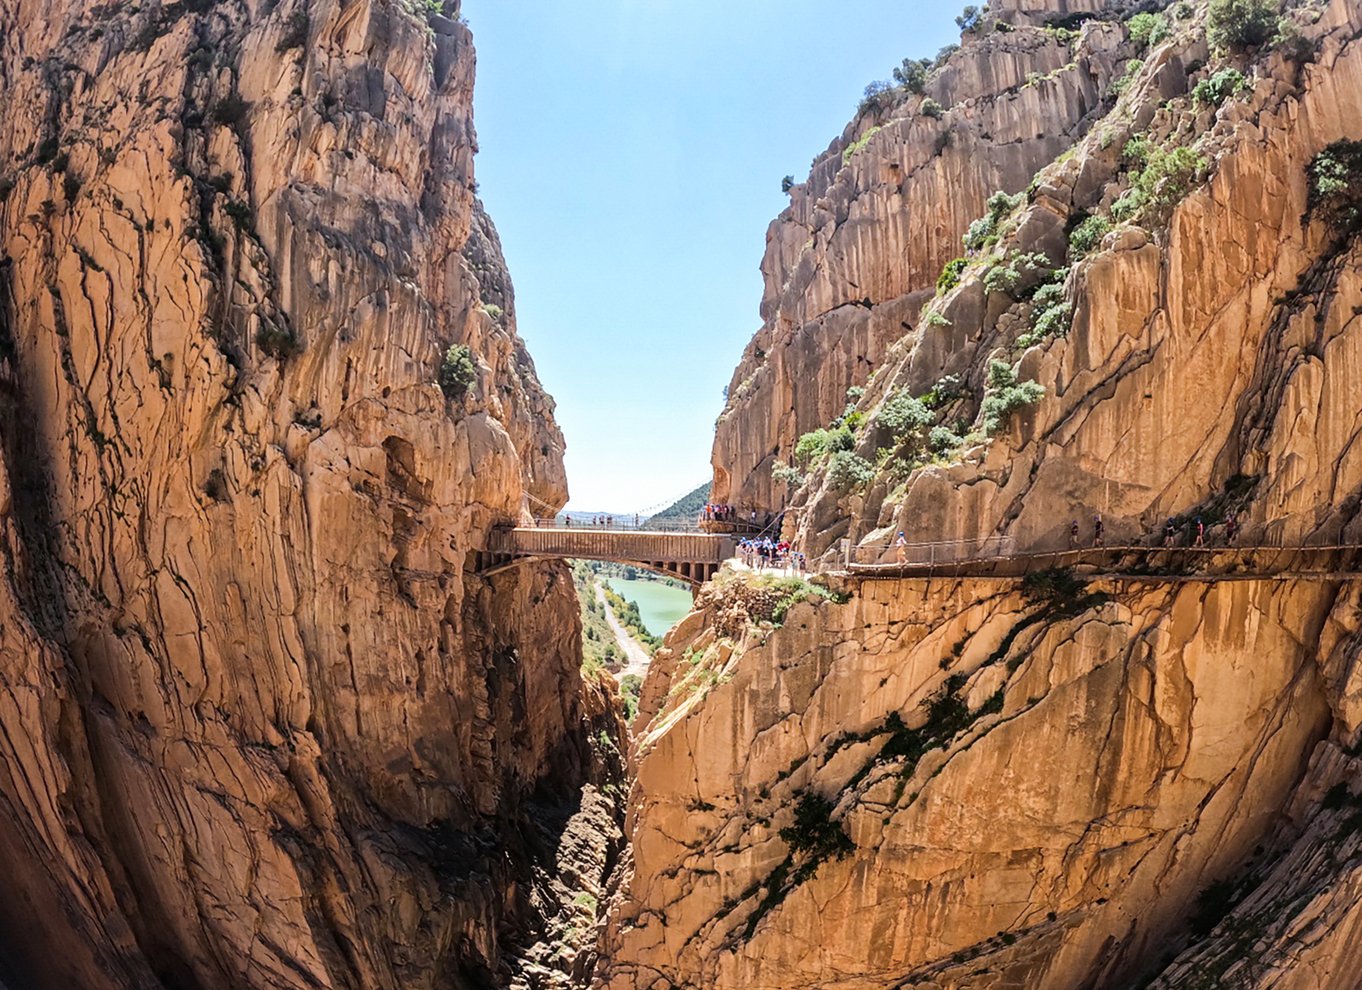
column 1097, row 528
column 901, row 548
column 1170, row 533
column 1073, row 535
column 1231, row 528
column 1200, row 533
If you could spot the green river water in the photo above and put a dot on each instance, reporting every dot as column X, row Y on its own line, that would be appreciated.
column 661, row 606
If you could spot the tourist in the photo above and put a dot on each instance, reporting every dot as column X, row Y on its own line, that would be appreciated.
column 1200, row 533
column 901, row 548
column 1170, row 533
column 1073, row 534
column 1097, row 529
column 1231, row 528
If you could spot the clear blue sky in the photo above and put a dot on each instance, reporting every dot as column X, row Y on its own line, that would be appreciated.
column 631, row 156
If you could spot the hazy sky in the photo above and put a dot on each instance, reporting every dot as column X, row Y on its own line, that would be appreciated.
column 631, row 156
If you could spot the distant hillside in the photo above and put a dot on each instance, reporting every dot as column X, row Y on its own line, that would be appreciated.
column 685, row 509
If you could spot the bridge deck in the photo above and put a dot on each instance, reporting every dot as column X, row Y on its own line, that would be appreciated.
column 693, row 557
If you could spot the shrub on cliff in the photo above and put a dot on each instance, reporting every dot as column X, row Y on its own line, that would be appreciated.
column 815, row 834
column 1235, row 25
column 848, row 471
column 787, row 475
column 816, row 443
column 1147, row 29
column 1336, row 185
column 879, row 95
column 950, row 275
column 912, row 74
column 984, row 232
column 970, row 18
column 1218, row 88
column 905, row 418
column 786, row 184
column 295, row 31
column 1006, row 396
column 930, row 108
column 457, row 371
column 1088, row 235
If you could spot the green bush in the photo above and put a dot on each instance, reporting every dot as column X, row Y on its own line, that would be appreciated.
column 930, row 108
column 1235, row 25
column 1128, row 207
column 859, row 143
column 1169, row 177
column 1133, row 68
column 984, row 232
column 1137, row 150
column 947, row 389
column 950, row 275
column 230, row 111
column 848, row 471
column 295, row 31
column 942, row 440
column 1335, row 177
column 879, row 95
column 817, row 443
column 457, row 371
column 786, row 474
column 1087, row 236
column 1218, row 88
column 240, row 213
column 1005, row 396
column 787, row 183
column 970, row 18
column 814, row 833
column 1147, row 29
column 905, row 418
column 912, row 74
column 1019, row 276
column 279, row 342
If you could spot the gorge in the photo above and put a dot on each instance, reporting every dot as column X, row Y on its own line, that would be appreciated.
column 280, row 709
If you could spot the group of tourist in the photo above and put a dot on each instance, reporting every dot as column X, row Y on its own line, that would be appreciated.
column 721, row 513
column 763, row 553
column 1194, row 534
column 600, row 522
column 739, row 519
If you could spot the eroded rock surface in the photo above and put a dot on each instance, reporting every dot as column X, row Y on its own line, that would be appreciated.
column 262, row 724
column 1033, row 791
column 1066, row 785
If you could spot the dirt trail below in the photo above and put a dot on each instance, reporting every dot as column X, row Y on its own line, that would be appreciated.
column 636, row 657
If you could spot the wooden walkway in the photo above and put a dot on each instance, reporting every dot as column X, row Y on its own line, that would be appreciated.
column 1232, row 563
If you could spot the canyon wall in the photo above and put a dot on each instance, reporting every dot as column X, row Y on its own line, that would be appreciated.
column 1030, row 791
column 1073, row 781
column 263, row 724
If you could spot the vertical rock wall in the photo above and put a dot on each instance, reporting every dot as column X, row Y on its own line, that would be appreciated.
column 261, row 724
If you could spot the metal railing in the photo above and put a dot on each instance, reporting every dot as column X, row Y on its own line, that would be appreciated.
column 616, row 524
column 1340, row 561
column 603, row 544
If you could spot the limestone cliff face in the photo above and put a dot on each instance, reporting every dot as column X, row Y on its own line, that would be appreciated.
column 1200, row 345
column 1032, row 792
column 850, row 263
column 263, row 725
column 977, row 784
